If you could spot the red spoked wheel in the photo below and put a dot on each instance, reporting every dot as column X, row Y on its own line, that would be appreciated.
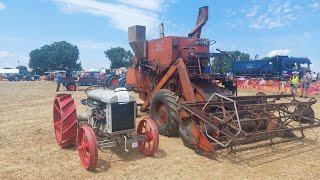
column 87, row 147
column 71, row 87
column 65, row 120
column 148, row 137
column 114, row 81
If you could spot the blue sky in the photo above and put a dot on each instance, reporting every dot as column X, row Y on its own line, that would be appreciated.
column 266, row 28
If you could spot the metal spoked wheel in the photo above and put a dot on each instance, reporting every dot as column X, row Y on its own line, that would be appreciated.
column 65, row 120
column 87, row 147
column 148, row 137
column 71, row 87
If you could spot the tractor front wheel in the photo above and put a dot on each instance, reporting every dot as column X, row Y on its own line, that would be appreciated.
column 148, row 137
column 164, row 112
column 87, row 147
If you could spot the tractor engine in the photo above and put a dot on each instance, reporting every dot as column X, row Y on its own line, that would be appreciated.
column 109, row 111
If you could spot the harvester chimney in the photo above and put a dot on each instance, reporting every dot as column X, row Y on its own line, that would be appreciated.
column 161, row 30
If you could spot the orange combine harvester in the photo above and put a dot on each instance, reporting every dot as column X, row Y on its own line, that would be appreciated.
column 173, row 76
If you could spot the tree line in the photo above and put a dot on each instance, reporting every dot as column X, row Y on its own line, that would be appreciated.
column 63, row 55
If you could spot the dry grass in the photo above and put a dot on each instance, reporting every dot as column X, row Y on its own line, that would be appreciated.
column 29, row 151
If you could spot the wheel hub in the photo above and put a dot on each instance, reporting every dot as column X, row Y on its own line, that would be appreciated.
column 163, row 114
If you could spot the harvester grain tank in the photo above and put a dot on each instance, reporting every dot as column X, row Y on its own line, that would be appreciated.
column 171, row 76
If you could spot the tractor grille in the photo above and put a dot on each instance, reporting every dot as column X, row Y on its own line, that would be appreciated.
column 123, row 116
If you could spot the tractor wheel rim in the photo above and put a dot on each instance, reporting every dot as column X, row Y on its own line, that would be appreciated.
column 72, row 87
column 87, row 147
column 114, row 82
column 149, row 137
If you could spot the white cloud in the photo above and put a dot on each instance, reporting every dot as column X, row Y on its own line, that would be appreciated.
column 2, row 5
column 121, row 15
column 91, row 45
column 315, row 5
column 253, row 11
column 273, row 15
column 153, row 5
column 6, row 54
column 278, row 52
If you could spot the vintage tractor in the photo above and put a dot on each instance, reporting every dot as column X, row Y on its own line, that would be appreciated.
column 110, row 120
column 173, row 76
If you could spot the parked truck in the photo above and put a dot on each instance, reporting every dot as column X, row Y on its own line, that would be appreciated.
column 277, row 67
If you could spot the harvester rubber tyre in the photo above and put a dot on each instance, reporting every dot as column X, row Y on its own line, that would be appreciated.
column 87, row 147
column 65, row 120
column 16, row 78
column 164, row 112
column 147, row 129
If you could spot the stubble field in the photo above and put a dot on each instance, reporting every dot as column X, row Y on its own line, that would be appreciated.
column 29, row 151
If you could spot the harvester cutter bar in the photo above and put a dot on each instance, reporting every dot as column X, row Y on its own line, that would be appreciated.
column 207, row 120
column 286, row 119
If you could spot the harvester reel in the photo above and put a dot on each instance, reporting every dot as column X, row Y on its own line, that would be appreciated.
column 65, row 120
column 164, row 112
column 306, row 114
column 225, row 117
column 87, row 147
column 148, row 137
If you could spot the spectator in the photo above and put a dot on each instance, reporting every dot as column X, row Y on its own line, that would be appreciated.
column 58, row 81
column 305, row 81
column 318, row 76
column 294, row 82
column 314, row 77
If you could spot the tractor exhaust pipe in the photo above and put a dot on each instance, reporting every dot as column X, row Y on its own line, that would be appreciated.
column 161, row 27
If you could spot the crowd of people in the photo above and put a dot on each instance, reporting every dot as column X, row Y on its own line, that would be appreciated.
column 305, row 82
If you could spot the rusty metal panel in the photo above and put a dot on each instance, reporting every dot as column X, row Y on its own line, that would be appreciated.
column 164, row 51
column 131, row 78
column 160, row 53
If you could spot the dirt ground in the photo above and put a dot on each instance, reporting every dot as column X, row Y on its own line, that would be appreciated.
column 29, row 151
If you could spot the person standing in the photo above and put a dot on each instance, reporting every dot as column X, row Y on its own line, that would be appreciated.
column 58, row 81
column 305, row 81
column 294, row 82
column 314, row 77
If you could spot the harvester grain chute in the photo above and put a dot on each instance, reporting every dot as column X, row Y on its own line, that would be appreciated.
column 173, row 76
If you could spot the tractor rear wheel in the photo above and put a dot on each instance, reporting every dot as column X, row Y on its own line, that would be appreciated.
column 164, row 112
column 112, row 81
column 65, row 120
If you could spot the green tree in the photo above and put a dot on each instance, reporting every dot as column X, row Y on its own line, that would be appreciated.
column 59, row 55
column 119, row 57
column 222, row 64
column 266, row 58
column 22, row 69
